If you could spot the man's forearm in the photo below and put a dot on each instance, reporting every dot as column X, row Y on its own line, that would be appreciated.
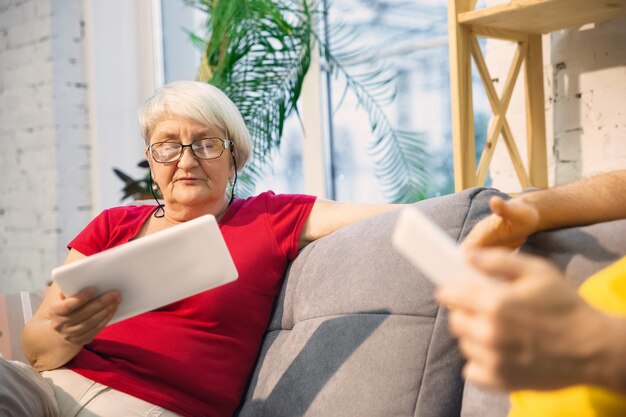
column 590, row 200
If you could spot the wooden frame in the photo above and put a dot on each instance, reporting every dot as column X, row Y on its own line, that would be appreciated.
column 523, row 22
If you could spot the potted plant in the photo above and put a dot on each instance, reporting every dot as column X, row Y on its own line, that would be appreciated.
column 138, row 189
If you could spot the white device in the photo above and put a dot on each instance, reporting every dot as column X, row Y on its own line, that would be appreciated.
column 430, row 249
column 155, row 270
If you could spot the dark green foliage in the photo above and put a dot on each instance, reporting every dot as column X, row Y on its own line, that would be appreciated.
column 139, row 189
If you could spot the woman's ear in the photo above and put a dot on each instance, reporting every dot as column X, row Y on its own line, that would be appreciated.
column 146, row 152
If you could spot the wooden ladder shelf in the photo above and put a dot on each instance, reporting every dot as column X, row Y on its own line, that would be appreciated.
column 523, row 22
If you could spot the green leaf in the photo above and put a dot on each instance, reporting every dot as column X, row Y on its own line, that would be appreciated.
column 258, row 52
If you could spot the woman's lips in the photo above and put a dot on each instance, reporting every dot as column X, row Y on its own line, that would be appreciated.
column 187, row 180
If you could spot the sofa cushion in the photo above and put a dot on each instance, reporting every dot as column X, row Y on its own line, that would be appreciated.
column 356, row 331
column 581, row 251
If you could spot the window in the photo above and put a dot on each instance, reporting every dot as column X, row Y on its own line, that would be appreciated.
column 411, row 36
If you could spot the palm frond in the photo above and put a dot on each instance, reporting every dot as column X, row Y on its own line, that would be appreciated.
column 258, row 52
column 399, row 155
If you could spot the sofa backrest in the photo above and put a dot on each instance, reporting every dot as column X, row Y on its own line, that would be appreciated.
column 356, row 331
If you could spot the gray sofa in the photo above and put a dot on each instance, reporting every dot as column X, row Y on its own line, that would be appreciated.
column 356, row 332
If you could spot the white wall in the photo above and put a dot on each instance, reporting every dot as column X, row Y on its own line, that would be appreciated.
column 44, row 192
column 585, row 90
column 120, row 67
column 72, row 75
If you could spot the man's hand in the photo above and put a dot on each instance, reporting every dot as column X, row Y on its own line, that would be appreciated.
column 509, row 226
column 532, row 332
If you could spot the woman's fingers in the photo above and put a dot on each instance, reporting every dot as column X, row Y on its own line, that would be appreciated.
column 83, row 332
column 66, row 305
column 79, row 318
column 93, row 307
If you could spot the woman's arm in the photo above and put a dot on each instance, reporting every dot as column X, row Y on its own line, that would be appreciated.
column 62, row 324
column 327, row 216
column 591, row 200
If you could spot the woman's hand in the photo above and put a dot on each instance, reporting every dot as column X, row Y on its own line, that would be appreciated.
column 79, row 318
column 532, row 332
column 63, row 325
column 509, row 226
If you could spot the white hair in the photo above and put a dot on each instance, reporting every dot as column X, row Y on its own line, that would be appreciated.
column 202, row 102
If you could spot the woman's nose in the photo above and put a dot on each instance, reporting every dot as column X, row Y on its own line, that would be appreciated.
column 187, row 158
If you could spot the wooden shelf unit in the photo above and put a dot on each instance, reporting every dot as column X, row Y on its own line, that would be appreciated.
column 523, row 22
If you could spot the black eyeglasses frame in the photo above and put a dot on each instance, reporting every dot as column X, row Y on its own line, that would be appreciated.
column 226, row 144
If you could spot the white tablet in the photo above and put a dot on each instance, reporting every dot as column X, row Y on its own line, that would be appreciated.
column 155, row 270
column 430, row 249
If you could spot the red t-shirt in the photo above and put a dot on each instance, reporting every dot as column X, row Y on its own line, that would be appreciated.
column 195, row 356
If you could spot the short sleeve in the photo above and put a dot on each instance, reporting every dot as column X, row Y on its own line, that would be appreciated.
column 287, row 214
column 93, row 238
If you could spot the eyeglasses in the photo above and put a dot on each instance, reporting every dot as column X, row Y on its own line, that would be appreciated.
column 207, row 148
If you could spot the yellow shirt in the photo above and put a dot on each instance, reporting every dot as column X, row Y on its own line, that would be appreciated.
column 606, row 291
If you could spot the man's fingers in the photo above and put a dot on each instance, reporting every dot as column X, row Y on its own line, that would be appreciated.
column 486, row 328
column 482, row 376
column 503, row 264
column 472, row 295
column 497, row 205
column 499, row 263
column 460, row 294
column 510, row 210
column 518, row 212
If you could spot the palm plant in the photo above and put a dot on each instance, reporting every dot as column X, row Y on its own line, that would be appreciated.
column 258, row 52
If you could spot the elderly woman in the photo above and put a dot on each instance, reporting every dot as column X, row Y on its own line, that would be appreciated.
column 193, row 357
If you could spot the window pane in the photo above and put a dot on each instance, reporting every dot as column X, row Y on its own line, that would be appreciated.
column 180, row 58
column 283, row 174
column 411, row 37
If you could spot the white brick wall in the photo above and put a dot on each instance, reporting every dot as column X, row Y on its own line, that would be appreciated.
column 585, row 88
column 44, row 193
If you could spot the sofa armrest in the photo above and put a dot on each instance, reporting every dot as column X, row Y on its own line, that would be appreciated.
column 15, row 311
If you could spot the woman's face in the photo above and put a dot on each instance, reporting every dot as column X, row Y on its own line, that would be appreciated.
column 190, row 182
